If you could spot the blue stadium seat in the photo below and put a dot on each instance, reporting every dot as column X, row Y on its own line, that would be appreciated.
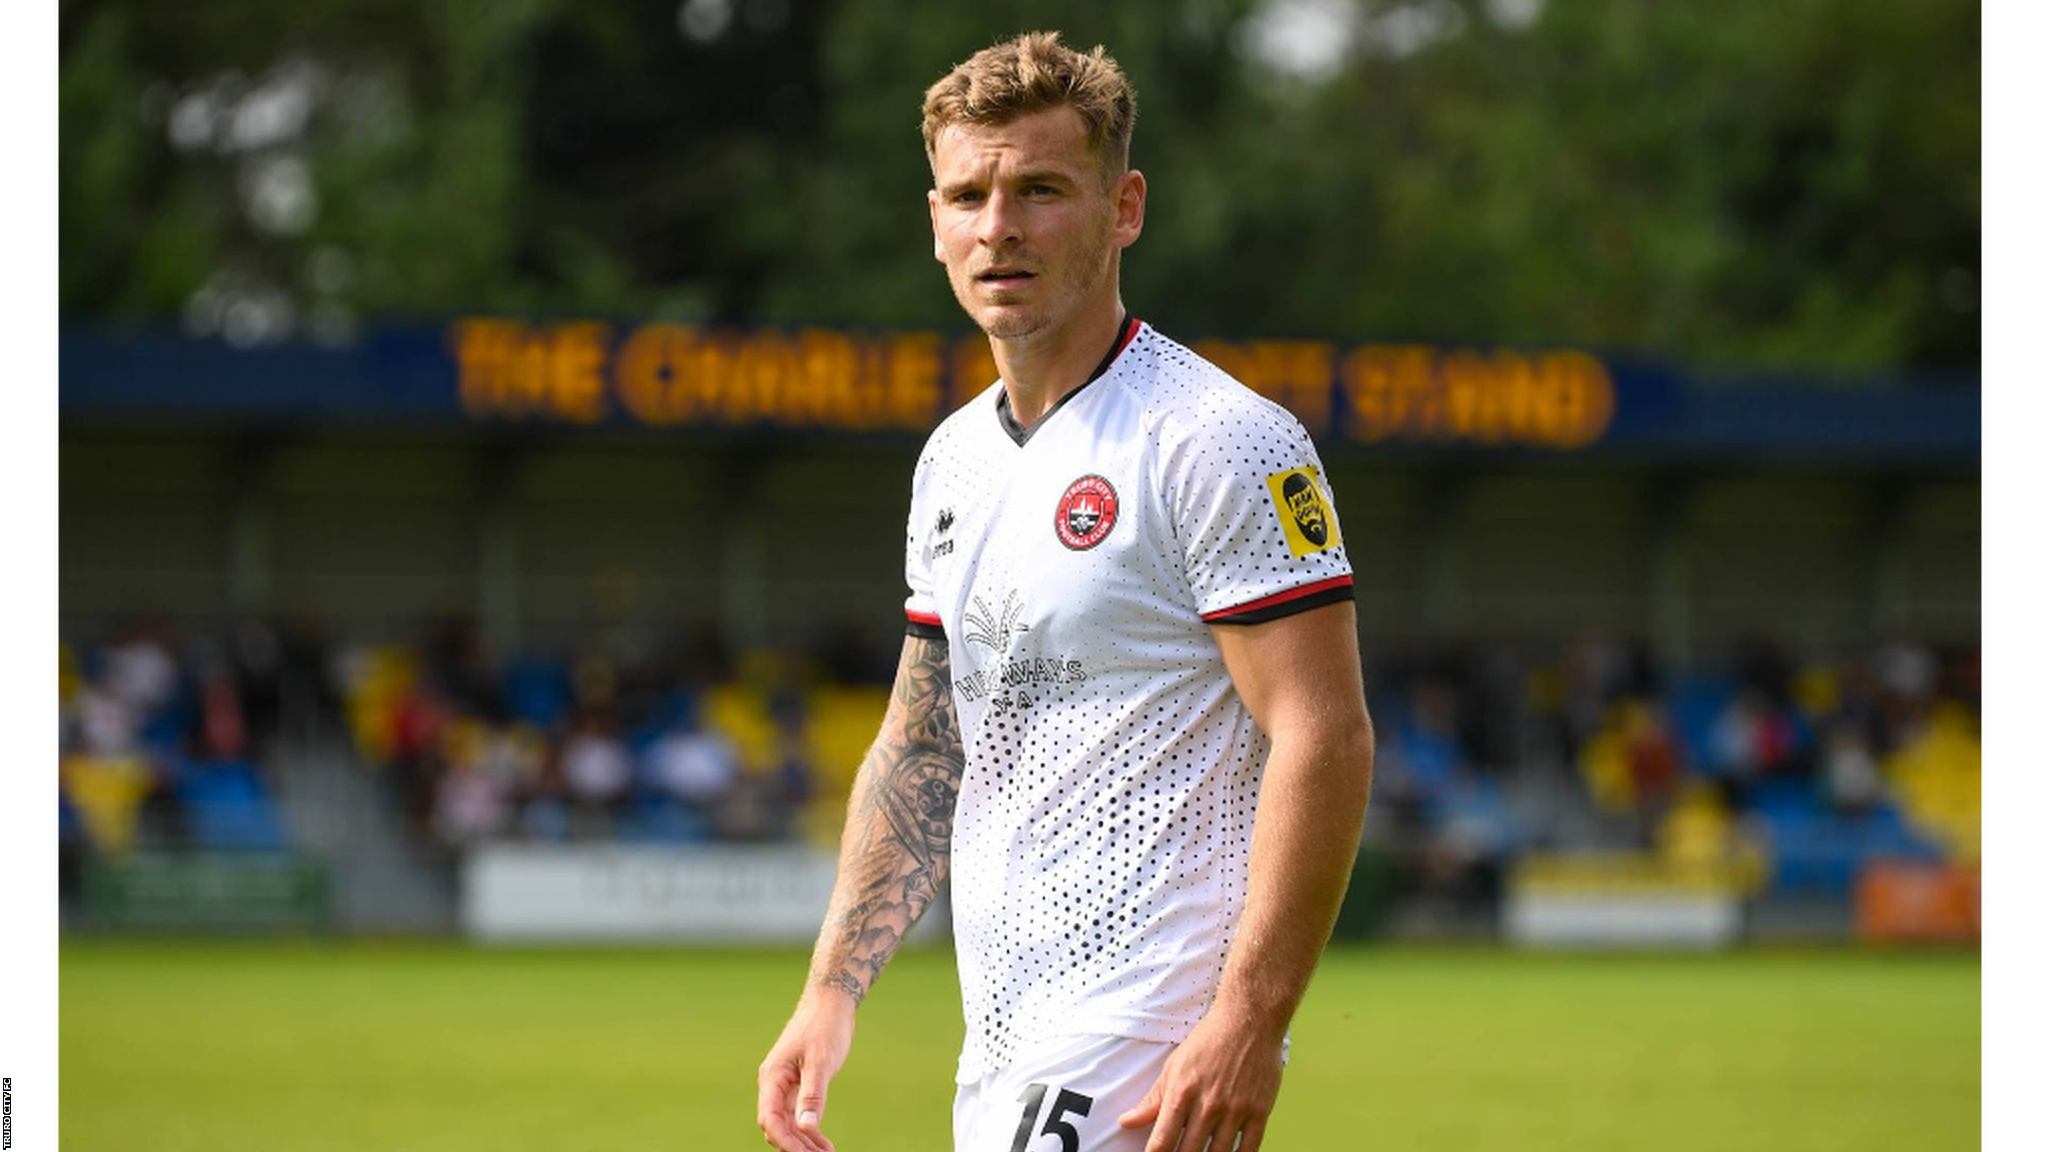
column 170, row 725
column 226, row 808
column 70, row 829
column 538, row 691
column 1788, row 797
column 663, row 820
column 639, row 739
column 1821, row 852
column 1696, row 703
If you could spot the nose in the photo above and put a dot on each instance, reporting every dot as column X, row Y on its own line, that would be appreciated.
column 1000, row 223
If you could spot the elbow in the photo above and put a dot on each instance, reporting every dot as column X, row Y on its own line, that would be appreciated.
column 1330, row 754
column 1357, row 756
column 1343, row 756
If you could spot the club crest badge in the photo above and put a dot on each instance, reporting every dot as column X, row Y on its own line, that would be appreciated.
column 1086, row 513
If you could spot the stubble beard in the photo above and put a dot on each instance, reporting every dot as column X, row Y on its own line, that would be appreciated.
column 1065, row 298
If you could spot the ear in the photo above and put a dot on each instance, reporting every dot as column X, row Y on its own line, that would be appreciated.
column 1129, row 196
column 931, row 200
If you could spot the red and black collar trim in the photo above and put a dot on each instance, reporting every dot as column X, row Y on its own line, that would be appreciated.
column 1126, row 332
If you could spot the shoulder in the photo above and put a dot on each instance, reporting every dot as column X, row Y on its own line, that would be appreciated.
column 951, row 438
column 1193, row 408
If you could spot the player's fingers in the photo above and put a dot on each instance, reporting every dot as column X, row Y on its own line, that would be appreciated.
column 1254, row 1134
column 777, row 1132
column 774, row 1114
column 783, row 1133
column 1201, row 1129
column 780, row 1133
column 768, row 1104
column 810, row 1098
column 1147, row 1110
column 1166, row 1131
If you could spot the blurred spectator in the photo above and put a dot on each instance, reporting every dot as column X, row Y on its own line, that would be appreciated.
column 1850, row 770
column 414, row 740
column 1653, row 758
column 223, row 733
column 597, row 768
column 470, row 803
column 544, row 800
column 698, row 768
column 1906, row 676
column 140, row 672
column 1475, row 835
column 1753, row 739
column 107, row 725
column 1631, row 766
column 791, row 782
column 1427, row 748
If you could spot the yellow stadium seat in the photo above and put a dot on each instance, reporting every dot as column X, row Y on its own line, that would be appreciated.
column 1938, row 780
column 68, row 678
column 1603, row 762
column 739, row 712
column 843, row 723
column 108, row 792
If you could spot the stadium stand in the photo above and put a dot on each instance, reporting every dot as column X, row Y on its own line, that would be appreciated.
column 1778, row 777
column 158, row 748
column 1797, row 777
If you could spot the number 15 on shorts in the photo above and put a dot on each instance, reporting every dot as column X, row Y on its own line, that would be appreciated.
column 1065, row 1104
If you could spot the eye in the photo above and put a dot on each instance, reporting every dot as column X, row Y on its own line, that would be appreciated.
column 966, row 197
column 1041, row 190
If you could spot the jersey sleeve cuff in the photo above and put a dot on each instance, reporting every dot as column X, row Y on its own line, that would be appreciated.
column 924, row 625
column 1287, row 603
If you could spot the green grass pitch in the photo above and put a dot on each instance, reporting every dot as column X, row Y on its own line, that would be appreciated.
column 309, row 1046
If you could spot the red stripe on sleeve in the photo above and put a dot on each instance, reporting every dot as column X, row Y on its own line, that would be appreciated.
column 923, row 618
column 1281, row 597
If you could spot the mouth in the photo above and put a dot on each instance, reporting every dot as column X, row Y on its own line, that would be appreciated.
column 1004, row 277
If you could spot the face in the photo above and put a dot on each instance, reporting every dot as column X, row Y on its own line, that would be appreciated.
column 1021, row 220
column 1307, row 508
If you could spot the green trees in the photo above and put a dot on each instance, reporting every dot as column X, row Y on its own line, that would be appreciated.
column 1770, row 186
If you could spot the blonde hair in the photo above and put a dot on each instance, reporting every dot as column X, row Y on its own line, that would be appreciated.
column 1031, row 73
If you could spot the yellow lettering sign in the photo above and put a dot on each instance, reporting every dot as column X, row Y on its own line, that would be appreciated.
column 507, row 368
column 664, row 374
column 576, row 372
column 1414, row 392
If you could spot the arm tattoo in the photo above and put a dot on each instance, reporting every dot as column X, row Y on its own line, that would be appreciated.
column 899, row 827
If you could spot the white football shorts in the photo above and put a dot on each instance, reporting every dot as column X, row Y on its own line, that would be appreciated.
column 1061, row 1095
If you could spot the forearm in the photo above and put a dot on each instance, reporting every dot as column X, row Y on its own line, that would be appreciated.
column 897, row 845
column 1311, row 810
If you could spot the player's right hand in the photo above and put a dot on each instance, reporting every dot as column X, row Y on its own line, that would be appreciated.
column 811, row 1050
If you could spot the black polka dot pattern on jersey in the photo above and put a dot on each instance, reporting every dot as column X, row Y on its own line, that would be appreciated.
column 1103, row 833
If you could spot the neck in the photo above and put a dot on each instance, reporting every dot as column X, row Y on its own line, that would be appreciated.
column 1041, row 368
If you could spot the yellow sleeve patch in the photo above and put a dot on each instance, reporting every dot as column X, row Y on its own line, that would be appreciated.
column 1305, row 514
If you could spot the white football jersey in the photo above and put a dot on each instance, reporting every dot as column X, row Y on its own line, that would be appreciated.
column 1103, row 833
